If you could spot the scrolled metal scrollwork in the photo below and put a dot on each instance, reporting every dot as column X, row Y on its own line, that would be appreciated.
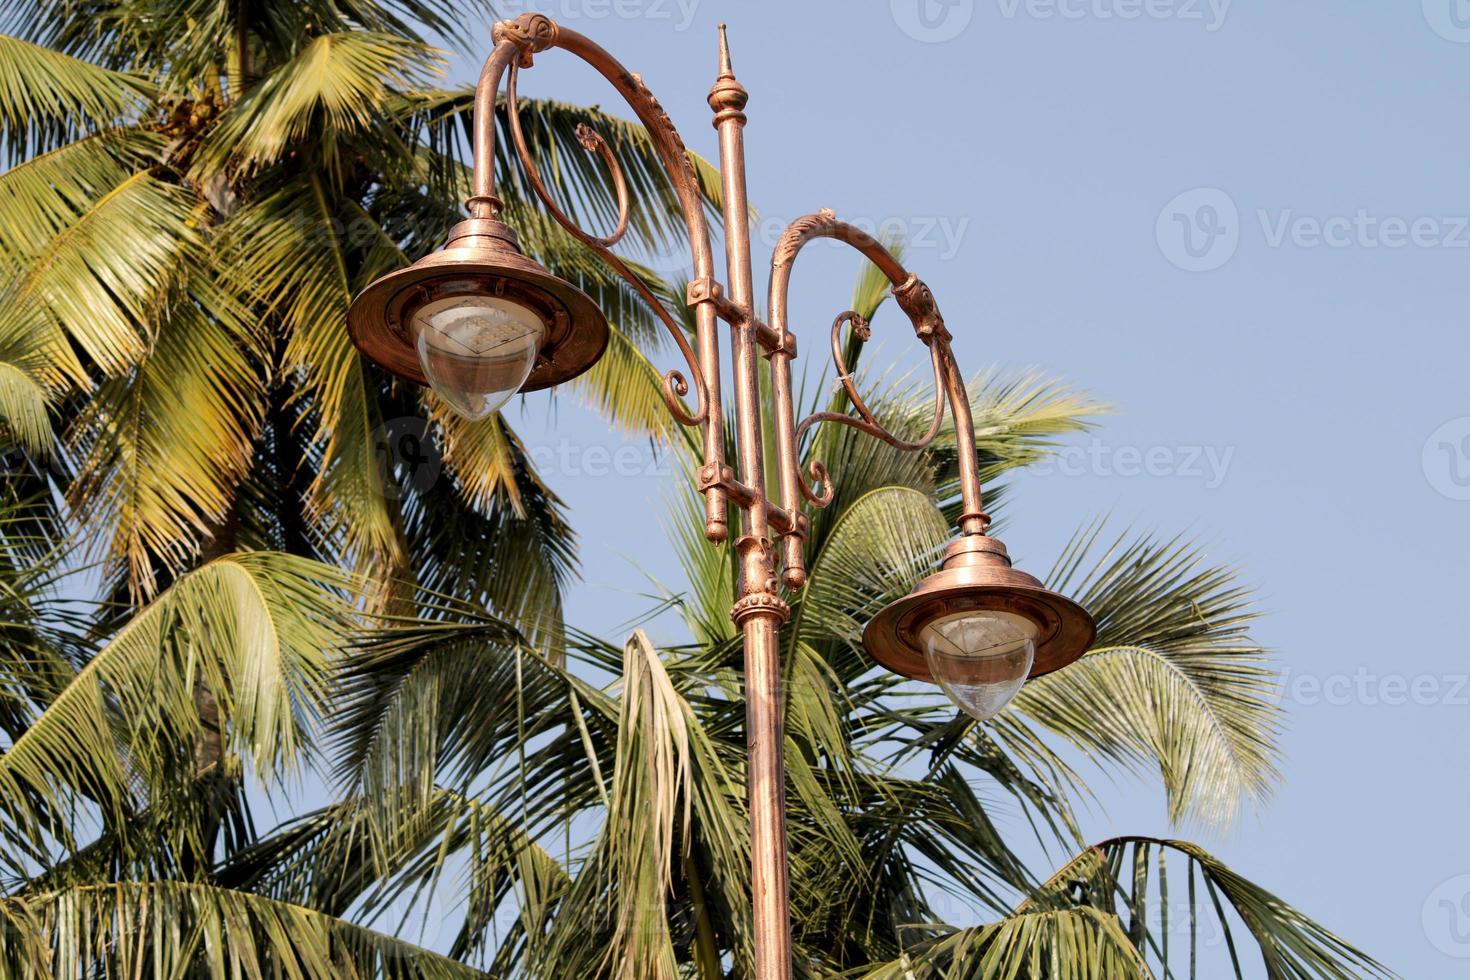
column 817, row 476
column 913, row 297
column 865, row 421
column 592, row 141
column 676, row 384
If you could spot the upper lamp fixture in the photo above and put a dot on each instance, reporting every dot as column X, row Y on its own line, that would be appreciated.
column 478, row 321
column 979, row 628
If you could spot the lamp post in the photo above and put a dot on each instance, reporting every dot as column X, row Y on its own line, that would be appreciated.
column 480, row 321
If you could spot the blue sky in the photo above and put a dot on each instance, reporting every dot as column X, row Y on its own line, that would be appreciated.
column 1244, row 224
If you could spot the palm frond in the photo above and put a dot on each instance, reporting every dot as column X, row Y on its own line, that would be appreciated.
column 48, row 192
column 651, row 798
column 624, row 387
column 1129, row 878
column 872, row 287
column 40, row 635
column 47, row 97
column 1019, row 418
column 1070, row 944
column 335, row 90
column 674, row 812
column 105, row 278
column 257, row 630
column 493, row 533
column 334, row 861
column 284, row 252
column 24, row 415
column 883, row 543
column 420, row 705
column 163, row 450
column 1174, row 680
column 169, row 928
column 709, row 570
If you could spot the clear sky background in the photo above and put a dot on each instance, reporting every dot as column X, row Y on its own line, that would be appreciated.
column 1245, row 225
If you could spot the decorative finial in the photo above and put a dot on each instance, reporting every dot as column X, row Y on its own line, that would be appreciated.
column 728, row 96
column 725, row 70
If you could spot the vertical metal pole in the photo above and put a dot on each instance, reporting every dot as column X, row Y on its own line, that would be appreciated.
column 760, row 611
column 767, row 796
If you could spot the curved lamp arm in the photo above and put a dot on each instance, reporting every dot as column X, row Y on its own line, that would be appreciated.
column 915, row 299
column 515, row 43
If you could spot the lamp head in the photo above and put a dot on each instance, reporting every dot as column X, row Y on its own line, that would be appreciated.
column 478, row 321
column 979, row 628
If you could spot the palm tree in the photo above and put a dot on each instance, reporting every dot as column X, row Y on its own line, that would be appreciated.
column 570, row 826
column 193, row 193
column 176, row 260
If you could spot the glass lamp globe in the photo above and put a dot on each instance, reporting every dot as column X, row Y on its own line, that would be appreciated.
column 476, row 350
column 980, row 658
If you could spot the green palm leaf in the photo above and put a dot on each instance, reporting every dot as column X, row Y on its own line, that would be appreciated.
column 335, row 90
column 1071, row 944
column 1117, row 877
column 651, row 797
column 334, row 860
column 47, row 97
column 493, row 532
column 284, row 252
column 105, row 279
column 40, row 635
column 168, row 928
column 256, row 629
column 1174, row 679
column 164, row 449
column 45, row 194
column 24, row 417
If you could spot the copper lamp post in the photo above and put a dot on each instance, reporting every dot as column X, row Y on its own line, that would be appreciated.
column 480, row 321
